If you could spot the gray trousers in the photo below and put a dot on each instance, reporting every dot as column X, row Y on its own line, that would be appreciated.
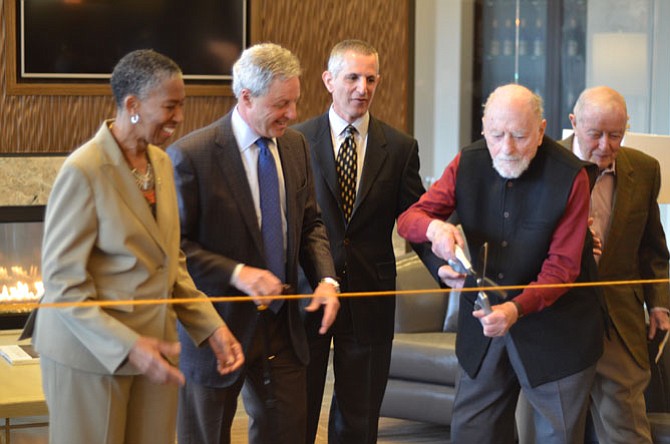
column 484, row 406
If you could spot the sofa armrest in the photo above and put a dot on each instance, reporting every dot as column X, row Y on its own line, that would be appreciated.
column 420, row 311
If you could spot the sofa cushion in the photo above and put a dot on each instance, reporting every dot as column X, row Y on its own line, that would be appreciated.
column 418, row 401
column 425, row 357
column 418, row 311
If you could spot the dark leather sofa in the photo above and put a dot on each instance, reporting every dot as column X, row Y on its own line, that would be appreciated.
column 422, row 377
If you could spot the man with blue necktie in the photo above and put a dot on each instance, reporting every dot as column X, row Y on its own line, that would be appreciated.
column 248, row 217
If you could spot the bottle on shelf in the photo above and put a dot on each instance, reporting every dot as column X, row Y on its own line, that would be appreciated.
column 523, row 37
column 572, row 42
column 494, row 48
column 538, row 42
column 508, row 40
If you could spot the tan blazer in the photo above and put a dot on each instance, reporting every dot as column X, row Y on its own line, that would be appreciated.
column 635, row 249
column 101, row 243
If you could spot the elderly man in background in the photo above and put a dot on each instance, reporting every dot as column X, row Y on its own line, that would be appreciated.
column 528, row 199
column 627, row 220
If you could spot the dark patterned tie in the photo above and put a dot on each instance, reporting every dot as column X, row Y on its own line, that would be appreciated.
column 271, row 218
column 347, row 165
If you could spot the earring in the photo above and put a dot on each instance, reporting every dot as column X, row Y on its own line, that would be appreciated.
column 134, row 119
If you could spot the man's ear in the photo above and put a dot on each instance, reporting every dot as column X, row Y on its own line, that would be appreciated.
column 543, row 127
column 573, row 120
column 245, row 98
column 327, row 78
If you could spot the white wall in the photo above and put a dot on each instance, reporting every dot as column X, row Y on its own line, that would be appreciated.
column 442, row 85
column 660, row 70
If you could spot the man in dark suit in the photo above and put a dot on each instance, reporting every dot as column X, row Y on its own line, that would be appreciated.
column 627, row 220
column 226, row 220
column 359, row 212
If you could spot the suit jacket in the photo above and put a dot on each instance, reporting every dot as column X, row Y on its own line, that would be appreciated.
column 220, row 229
column 634, row 249
column 362, row 249
column 102, row 243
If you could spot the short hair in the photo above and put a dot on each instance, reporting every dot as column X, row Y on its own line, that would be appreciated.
column 260, row 64
column 536, row 101
column 139, row 72
column 600, row 95
column 336, row 59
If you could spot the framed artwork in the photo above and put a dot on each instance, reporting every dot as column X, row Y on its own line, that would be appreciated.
column 63, row 47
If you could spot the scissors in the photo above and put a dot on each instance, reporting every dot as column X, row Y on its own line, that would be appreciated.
column 461, row 263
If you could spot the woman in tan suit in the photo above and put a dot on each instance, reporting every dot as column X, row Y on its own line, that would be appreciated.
column 112, row 234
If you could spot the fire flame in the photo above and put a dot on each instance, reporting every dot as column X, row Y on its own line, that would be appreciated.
column 19, row 285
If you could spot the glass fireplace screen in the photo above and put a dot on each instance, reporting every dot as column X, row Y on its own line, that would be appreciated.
column 20, row 255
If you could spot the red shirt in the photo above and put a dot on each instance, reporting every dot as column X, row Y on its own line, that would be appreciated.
column 563, row 261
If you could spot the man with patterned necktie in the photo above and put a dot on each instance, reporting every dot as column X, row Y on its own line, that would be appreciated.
column 366, row 173
column 248, row 217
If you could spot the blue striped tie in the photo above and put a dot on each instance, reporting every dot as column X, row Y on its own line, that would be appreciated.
column 271, row 216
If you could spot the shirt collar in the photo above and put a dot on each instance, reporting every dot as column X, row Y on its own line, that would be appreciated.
column 245, row 136
column 577, row 152
column 338, row 124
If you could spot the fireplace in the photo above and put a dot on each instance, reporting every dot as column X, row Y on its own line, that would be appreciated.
column 21, row 230
column 25, row 181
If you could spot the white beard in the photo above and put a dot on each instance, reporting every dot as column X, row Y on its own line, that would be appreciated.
column 511, row 169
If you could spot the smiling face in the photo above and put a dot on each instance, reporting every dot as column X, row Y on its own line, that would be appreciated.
column 160, row 111
column 513, row 129
column 270, row 115
column 600, row 122
column 353, row 85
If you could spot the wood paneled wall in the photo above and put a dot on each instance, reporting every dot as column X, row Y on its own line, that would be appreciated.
column 309, row 28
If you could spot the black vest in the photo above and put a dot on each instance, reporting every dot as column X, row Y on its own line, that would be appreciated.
column 517, row 217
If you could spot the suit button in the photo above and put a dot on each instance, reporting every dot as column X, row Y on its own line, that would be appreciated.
column 346, row 242
column 501, row 276
column 503, row 244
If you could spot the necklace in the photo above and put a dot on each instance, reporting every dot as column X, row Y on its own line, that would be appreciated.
column 144, row 181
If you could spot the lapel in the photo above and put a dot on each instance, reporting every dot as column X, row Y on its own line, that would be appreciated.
column 165, row 195
column 322, row 146
column 233, row 173
column 286, row 155
column 623, row 199
column 115, row 168
column 375, row 155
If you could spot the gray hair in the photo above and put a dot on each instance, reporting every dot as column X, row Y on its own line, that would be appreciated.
column 139, row 72
column 336, row 59
column 260, row 64
column 536, row 101
column 602, row 97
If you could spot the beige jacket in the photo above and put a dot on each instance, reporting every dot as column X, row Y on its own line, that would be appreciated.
column 101, row 243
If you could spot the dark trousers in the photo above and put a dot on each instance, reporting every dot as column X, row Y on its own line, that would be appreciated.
column 206, row 414
column 361, row 371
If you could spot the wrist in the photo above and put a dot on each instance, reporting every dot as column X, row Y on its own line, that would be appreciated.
column 234, row 276
column 519, row 309
column 332, row 281
column 434, row 226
